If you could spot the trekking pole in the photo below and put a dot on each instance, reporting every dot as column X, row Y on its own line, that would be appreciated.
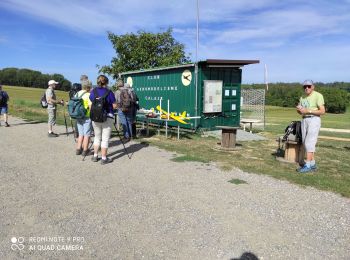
column 115, row 126
column 73, row 129
column 65, row 120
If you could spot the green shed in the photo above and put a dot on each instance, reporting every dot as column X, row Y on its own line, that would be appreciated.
column 209, row 91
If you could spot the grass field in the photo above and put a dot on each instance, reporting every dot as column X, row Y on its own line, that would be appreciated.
column 24, row 103
column 333, row 157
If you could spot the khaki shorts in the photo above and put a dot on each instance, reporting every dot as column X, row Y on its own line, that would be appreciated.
column 52, row 116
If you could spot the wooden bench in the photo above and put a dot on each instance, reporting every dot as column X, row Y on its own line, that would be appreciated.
column 228, row 136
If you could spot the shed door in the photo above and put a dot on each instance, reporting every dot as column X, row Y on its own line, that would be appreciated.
column 231, row 99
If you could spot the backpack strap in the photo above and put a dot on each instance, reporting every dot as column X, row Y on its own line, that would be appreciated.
column 106, row 94
column 95, row 93
column 81, row 96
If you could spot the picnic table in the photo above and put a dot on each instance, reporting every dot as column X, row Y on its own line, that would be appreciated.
column 250, row 122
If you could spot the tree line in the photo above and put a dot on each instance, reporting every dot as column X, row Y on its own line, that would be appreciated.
column 32, row 78
column 336, row 94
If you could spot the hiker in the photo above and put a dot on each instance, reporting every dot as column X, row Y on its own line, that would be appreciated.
column 101, row 114
column 84, row 124
column 125, row 103
column 311, row 107
column 83, row 78
column 4, row 98
column 51, row 108
column 135, row 108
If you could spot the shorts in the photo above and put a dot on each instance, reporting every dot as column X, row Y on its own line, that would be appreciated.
column 310, row 127
column 3, row 110
column 84, row 126
column 52, row 116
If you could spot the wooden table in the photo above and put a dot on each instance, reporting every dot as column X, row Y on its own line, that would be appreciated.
column 228, row 136
column 249, row 121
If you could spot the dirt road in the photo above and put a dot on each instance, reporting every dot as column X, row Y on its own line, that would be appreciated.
column 55, row 206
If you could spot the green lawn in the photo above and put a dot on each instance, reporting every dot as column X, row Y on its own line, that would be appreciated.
column 333, row 157
column 277, row 118
column 24, row 103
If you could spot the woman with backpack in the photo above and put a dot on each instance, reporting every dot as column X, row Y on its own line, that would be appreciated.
column 84, row 124
column 101, row 113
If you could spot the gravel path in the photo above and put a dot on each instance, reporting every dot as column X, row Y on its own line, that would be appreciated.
column 152, row 208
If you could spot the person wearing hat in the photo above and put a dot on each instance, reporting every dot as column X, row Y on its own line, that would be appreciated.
column 311, row 107
column 51, row 108
column 4, row 98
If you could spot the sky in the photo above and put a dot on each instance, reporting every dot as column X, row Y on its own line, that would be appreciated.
column 295, row 39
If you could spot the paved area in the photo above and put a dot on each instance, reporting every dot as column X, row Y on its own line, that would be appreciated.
column 53, row 205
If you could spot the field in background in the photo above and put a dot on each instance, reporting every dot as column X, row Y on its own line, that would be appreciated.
column 256, row 156
column 24, row 103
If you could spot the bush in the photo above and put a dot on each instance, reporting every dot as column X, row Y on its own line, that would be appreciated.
column 336, row 100
column 336, row 95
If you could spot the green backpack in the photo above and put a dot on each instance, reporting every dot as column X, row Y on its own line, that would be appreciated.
column 76, row 107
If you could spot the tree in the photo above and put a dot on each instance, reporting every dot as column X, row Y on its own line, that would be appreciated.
column 31, row 78
column 144, row 50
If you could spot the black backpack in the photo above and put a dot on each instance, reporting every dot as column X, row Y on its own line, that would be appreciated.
column 3, row 99
column 43, row 101
column 293, row 132
column 98, row 111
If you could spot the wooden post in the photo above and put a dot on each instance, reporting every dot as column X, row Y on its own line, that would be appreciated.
column 294, row 152
column 228, row 136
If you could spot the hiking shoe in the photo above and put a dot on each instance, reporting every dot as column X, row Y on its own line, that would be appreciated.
column 94, row 158
column 7, row 124
column 304, row 169
column 78, row 151
column 85, row 153
column 52, row 134
column 108, row 160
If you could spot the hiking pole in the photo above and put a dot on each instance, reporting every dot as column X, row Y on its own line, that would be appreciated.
column 65, row 120
column 115, row 126
column 73, row 129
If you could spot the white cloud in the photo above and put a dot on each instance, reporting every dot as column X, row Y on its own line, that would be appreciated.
column 270, row 30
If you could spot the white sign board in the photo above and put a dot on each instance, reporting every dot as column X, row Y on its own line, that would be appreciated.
column 212, row 96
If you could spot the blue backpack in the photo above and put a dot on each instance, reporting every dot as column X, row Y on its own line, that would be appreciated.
column 76, row 107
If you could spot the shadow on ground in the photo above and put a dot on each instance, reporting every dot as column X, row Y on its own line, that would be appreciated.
column 129, row 150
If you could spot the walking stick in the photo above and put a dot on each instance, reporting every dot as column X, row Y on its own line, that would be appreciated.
column 65, row 120
column 73, row 129
column 115, row 126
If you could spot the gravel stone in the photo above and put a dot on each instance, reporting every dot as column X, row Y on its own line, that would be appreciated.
column 150, row 207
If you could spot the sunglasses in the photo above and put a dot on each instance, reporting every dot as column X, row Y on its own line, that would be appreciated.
column 308, row 86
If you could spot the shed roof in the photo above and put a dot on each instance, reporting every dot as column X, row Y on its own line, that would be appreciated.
column 209, row 62
column 231, row 62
